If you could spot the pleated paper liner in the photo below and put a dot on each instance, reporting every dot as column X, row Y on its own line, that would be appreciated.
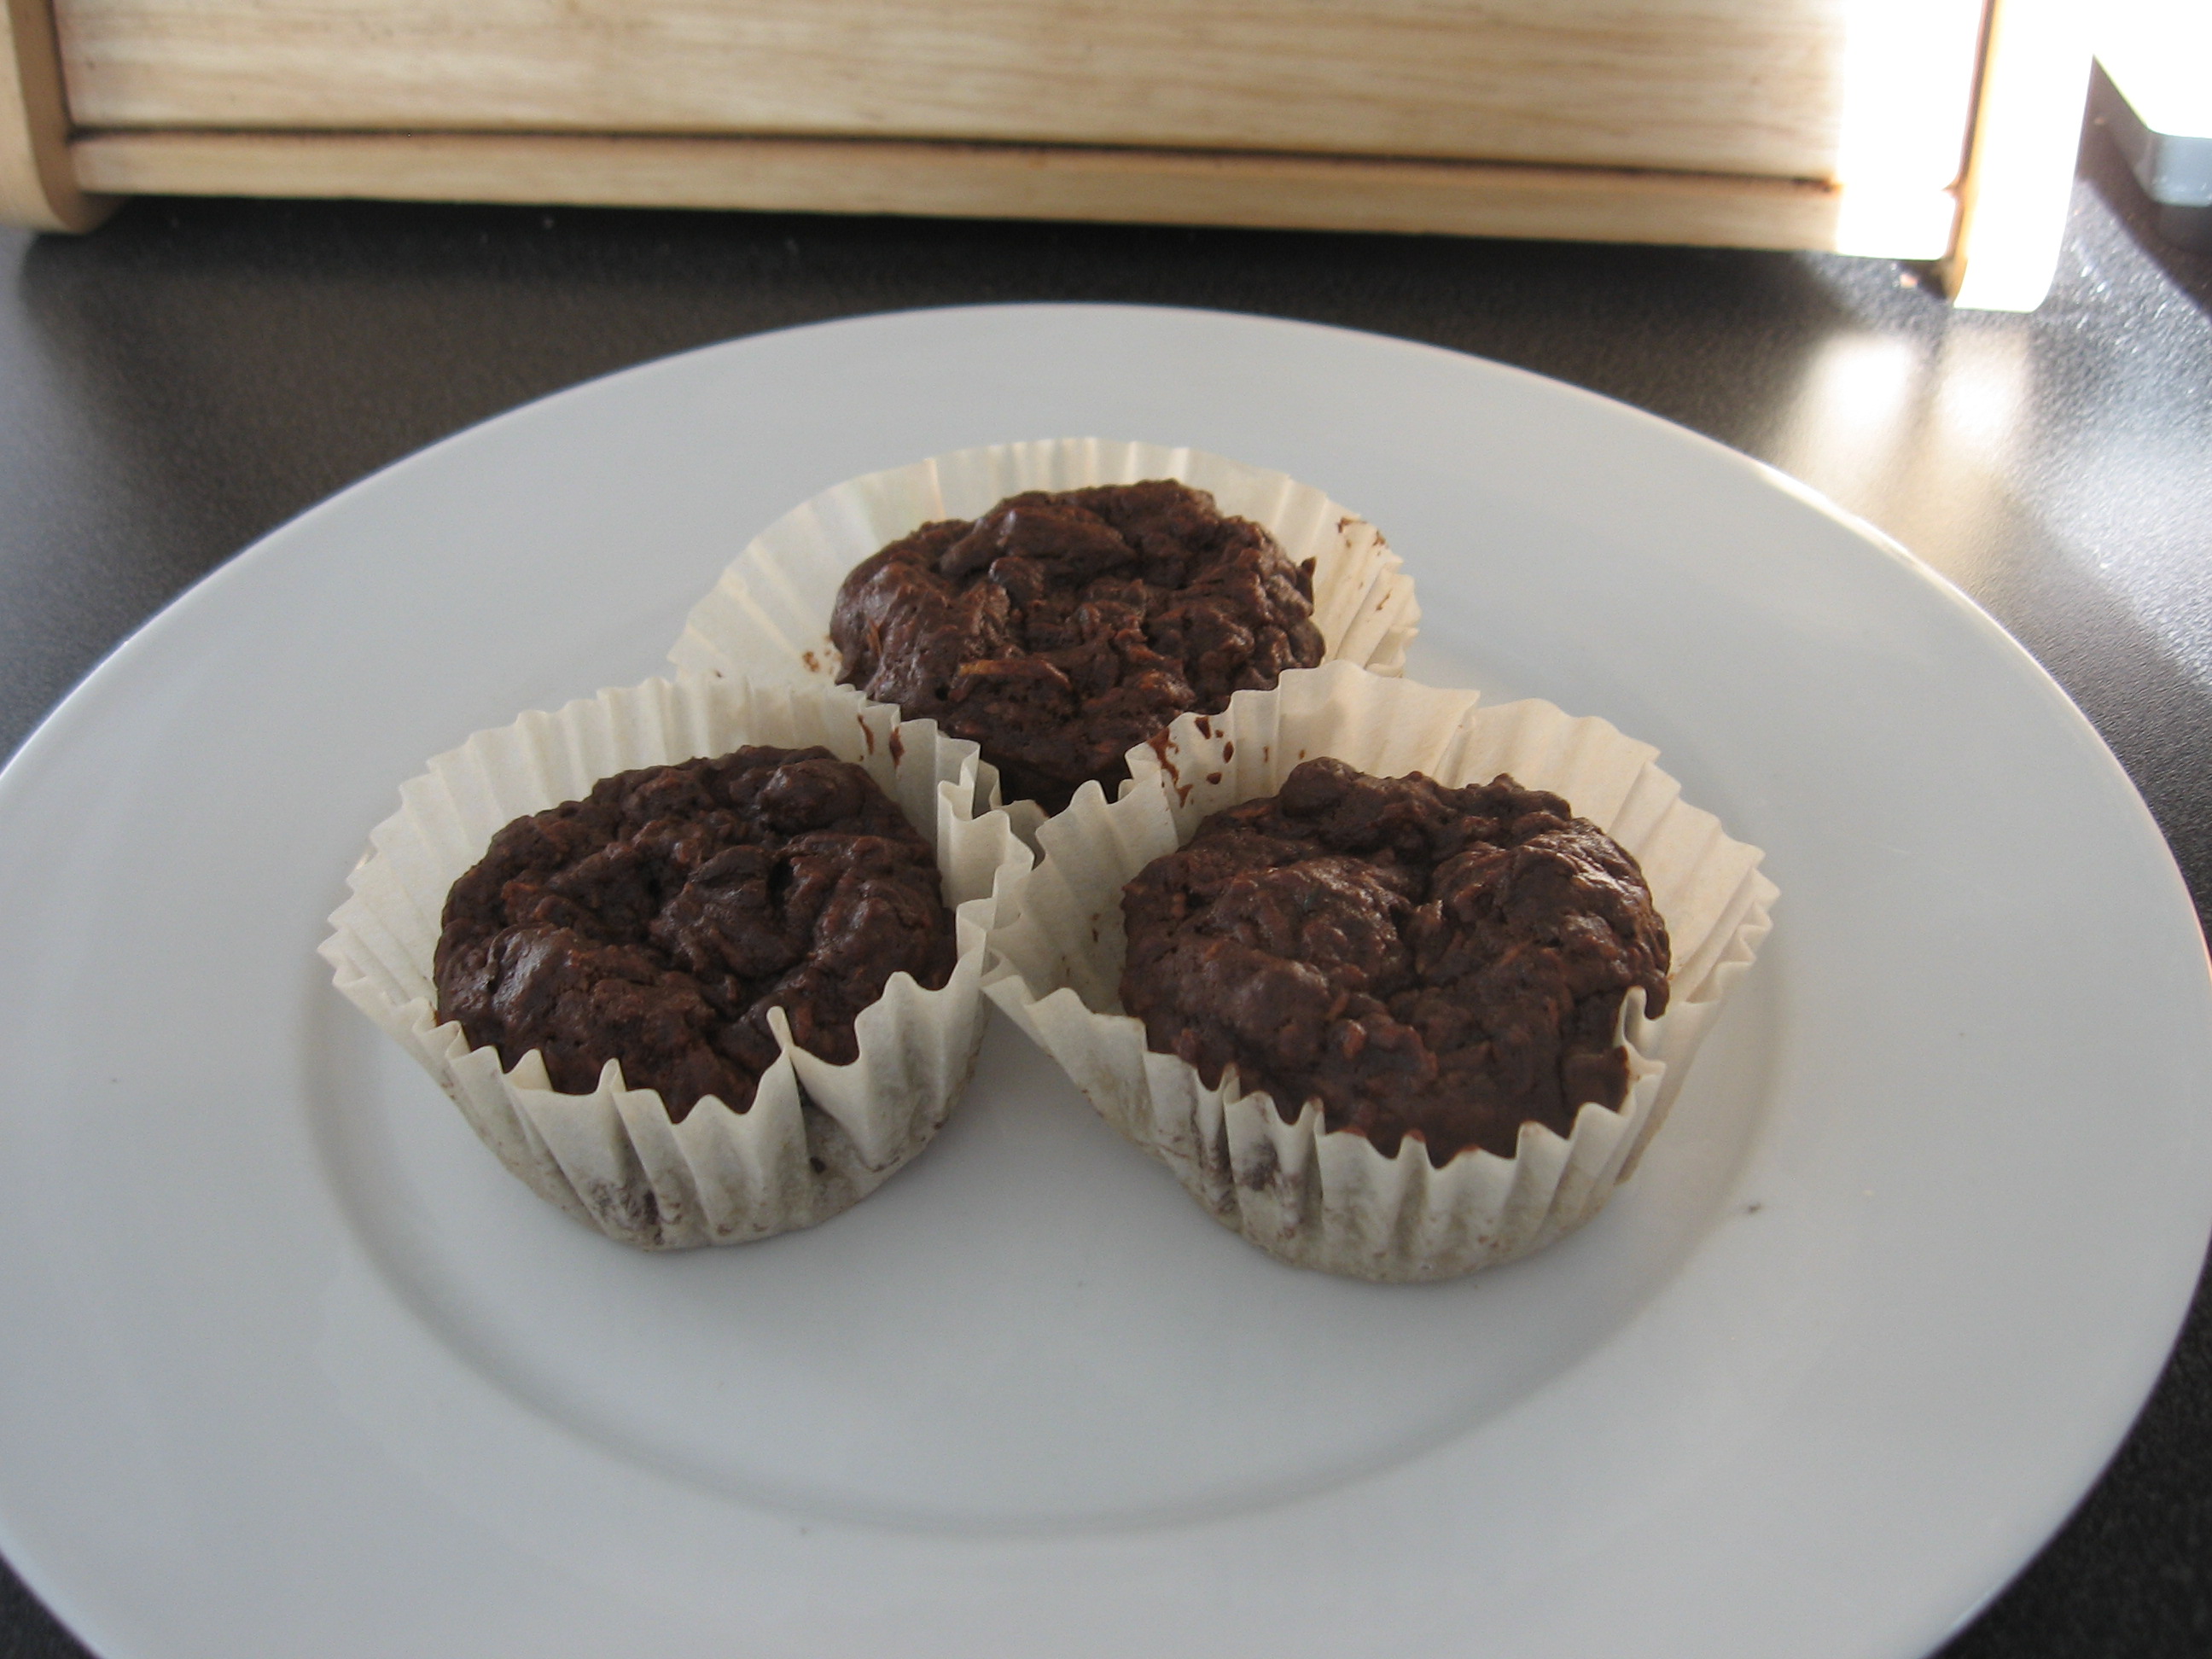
column 1330, row 1201
column 769, row 615
column 818, row 1138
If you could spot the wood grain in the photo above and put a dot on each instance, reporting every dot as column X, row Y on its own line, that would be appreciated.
column 38, row 188
column 1758, row 86
column 1003, row 181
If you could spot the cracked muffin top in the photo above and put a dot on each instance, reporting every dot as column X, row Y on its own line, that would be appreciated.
column 1429, row 962
column 658, row 919
column 1058, row 630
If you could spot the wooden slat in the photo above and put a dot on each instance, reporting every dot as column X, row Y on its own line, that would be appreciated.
column 2019, row 181
column 37, row 188
column 1757, row 87
column 1000, row 181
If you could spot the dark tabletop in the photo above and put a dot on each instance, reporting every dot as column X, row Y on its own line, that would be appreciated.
column 189, row 377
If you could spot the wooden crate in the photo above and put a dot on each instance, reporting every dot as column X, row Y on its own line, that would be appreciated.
column 1867, row 126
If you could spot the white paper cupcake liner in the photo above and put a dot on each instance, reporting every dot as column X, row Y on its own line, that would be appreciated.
column 817, row 1137
column 1331, row 1200
column 769, row 617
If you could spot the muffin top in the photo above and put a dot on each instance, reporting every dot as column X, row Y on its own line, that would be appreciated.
column 1058, row 630
column 1446, row 964
column 658, row 919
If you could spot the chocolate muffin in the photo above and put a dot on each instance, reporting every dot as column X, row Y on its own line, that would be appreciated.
column 1058, row 630
column 658, row 919
column 1441, row 963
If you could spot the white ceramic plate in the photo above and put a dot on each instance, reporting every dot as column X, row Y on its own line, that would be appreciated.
column 291, row 1366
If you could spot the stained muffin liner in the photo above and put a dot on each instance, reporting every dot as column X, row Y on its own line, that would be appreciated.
column 1330, row 1201
column 769, row 615
column 817, row 1137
